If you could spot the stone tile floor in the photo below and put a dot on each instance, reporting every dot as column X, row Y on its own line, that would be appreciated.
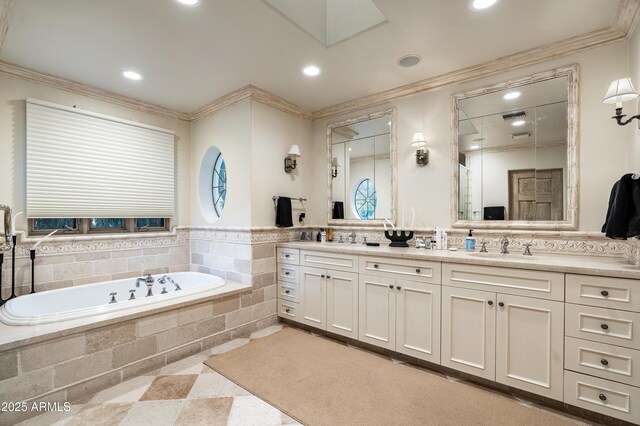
column 186, row 392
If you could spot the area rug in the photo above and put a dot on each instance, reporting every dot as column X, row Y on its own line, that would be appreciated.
column 318, row 381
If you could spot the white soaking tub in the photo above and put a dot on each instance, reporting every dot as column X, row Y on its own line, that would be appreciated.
column 93, row 299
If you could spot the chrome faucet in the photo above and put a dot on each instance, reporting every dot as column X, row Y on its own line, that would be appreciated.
column 353, row 237
column 149, row 282
column 527, row 252
column 504, row 243
column 168, row 278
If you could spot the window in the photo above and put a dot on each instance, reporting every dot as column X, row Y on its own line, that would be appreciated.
column 42, row 226
column 149, row 223
column 219, row 184
column 51, row 224
column 102, row 223
column 364, row 199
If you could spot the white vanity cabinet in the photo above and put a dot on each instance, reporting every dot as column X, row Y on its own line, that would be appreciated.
column 514, row 340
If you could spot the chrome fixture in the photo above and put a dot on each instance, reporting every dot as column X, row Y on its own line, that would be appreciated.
column 483, row 248
column 421, row 242
column 527, row 252
column 113, row 297
column 334, row 167
column 353, row 237
column 290, row 160
column 341, row 241
column 504, row 243
column 422, row 154
column 166, row 278
column 364, row 241
column 164, row 290
column 148, row 281
column 5, row 243
column 133, row 294
column 621, row 91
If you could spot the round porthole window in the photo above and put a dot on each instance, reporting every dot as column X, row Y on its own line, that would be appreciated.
column 212, row 184
column 364, row 199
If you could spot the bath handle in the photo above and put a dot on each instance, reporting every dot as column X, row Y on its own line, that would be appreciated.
column 164, row 290
column 133, row 294
column 113, row 297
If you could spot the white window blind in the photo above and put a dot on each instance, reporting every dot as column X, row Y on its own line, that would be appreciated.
column 85, row 165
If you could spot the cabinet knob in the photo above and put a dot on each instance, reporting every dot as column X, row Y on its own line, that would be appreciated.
column 391, row 286
column 286, row 255
column 604, row 326
column 501, row 304
column 604, row 293
column 328, row 276
column 287, row 310
column 286, row 291
column 286, row 273
column 322, row 276
column 602, row 397
column 375, row 266
column 417, row 270
column 604, row 362
column 398, row 287
column 490, row 302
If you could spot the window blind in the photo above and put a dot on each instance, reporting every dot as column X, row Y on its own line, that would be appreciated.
column 88, row 165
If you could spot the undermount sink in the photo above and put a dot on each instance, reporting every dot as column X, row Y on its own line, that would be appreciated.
column 503, row 256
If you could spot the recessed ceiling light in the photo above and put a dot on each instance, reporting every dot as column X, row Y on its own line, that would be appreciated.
column 311, row 70
column 474, row 147
column 482, row 4
column 511, row 95
column 518, row 123
column 409, row 60
column 132, row 75
column 189, row 2
column 349, row 149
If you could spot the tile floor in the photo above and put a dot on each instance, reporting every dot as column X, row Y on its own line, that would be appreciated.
column 188, row 392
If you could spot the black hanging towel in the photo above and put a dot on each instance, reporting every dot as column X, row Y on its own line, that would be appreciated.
column 338, row 210
column 623, row 214
column 284, row 217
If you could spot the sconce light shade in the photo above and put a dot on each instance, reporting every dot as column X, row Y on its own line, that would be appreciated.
column 334, row 162
column 334, row 167
column 290, row 160
column 418, row 140
column 621, row 91
column 422, row 154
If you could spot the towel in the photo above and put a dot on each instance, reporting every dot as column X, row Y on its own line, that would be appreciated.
column 623, row 214
column 338, row 210
column 283, row 212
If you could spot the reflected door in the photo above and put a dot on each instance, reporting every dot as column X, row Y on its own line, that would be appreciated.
column 535, row 194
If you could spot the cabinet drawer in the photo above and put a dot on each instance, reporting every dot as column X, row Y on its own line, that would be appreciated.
column 522, row 282
column 620, row 328
column 602, row 396
column 336, row 261
column 288, row 273
column 288, row 255
column 606, row 361
column 415, row 270
column 604, row 292
column 288, row 310
column 288, row 291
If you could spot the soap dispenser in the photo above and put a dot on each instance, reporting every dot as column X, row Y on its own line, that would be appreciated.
column 470, row 243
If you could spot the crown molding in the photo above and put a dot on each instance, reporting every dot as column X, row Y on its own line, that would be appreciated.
column 626, row 19
column 90, row 91
column 6, row 8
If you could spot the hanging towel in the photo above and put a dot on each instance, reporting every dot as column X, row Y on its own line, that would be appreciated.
column 623, row 214
column 338, row 210
column 283, row 212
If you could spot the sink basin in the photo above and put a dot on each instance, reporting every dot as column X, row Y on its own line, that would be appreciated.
column 502, row 256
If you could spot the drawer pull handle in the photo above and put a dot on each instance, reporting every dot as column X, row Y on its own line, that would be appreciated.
column 328, row 276
column 602, row 397
column 375, row 266
column 417, row 270
column 501, row 304
column 391, row 286
column 604, row 326
column 286, row 273
column 286, row 291
column 322, row 276
column 398, row 287
column 287, row 310
column 286, row 255
column 604, row 362
column 490, row 303
column 604, row 293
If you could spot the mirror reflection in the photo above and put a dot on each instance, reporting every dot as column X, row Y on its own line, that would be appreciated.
column 512, row 153
column 361, row 170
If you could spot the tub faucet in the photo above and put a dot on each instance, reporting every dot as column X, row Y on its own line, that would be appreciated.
column 168, row 278
column 149, row 282
column 504, row 243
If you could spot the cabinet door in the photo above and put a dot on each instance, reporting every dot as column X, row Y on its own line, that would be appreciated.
column 342, row 303
column 418, row 320
column 377, row 311
column 529, row 344
column 469, row 331
column 312, row 297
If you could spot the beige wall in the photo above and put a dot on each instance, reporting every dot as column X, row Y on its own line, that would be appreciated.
column 603, row 152
column 14, row 91
column 634, row 106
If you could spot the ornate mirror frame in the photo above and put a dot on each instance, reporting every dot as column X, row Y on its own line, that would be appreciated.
column 571, row 221
column 391, row 112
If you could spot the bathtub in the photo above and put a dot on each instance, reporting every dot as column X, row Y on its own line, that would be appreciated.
column 93, row 299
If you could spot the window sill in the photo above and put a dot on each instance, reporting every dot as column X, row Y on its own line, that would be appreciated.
column 24, row 239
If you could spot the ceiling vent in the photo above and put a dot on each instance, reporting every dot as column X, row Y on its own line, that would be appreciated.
column 514, row 115
column 409, row 61
column 521, row 135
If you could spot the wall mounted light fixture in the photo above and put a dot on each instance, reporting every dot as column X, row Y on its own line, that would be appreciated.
column 621, row 91
column 290, row 160
column 422, row 154
column 334, row 167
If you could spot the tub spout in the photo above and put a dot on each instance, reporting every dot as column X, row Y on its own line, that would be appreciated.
column 149, row 282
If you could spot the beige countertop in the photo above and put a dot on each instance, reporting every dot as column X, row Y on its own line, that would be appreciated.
column 588, row 265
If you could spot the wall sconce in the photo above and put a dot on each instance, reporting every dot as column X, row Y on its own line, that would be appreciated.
column 422, row 154
column 290, row 160
column 334, row 167
column 621, row 91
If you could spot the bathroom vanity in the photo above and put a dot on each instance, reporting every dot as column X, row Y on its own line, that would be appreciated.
column 561, row 327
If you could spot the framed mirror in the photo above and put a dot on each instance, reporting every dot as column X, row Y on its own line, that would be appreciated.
column 361, row 169
column 514, row 154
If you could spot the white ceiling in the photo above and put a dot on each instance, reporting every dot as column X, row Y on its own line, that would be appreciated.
column 190, row 56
